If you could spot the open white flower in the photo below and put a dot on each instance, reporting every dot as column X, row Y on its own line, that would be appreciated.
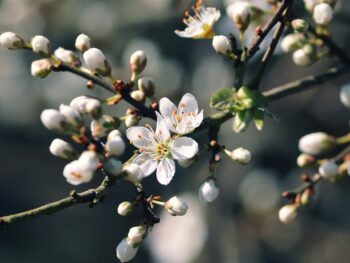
column 200, row 25
column 184, row 118
column 158, row 149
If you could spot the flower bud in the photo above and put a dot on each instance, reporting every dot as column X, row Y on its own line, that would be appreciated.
column 115, row 146
column 322, row 14
column 93, row 108
column 138, row 61
column 305, row 160
column 310, row 4
column 41, row 68
column 240, row 13
column 292, row 42
column 102, row 126
column 240, row 155
column 300, row 25
column 65, row 55
column 305, row 56
column 113, row 166
column 61, row 148
column 209, row 191
column 131, row 120
column 97, row 62
column 307, row 197
column 41, row 45
column 79, row 104
column 83, row 43
column 222, row 45
column 345, row 95
column 186, row 163
column 288, row 213
column 112, row 134
column 133, row 173
column 11, row 40
column 71, row 115
column 89, row 160
column 176, row 206
column 138, row 95
column 126, row 251
column 75, row 173
column 125, row 208
column 137, row 234
column 146, row 85
column 53, row 120
column 328, row 170
column 316, row 143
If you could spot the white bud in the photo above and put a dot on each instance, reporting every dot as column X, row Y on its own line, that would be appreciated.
column 75, row 173
column 146, row 85
column 305, row 160
column 93, row 108
column 41, row 45
column 71, row 115
column 310, row 4
column 240, row 13
column 78, row 103
column 53, row 120
column 328, row 170
column 292, row 42
column 345, row 95
column 137, row 234
column 240, row 155
column 113, row 166
column 41, row 68
column 67, row 56
column 131, row 120
column 222, row 45
column 322, row 14
column 209, row 191
column 115, row 146
column 316, row 143
column 305, row 56
column 176, row 206
column 133, row 173
column 138, row 95
column 11, row 40
column 126, row 251
column 83, row 43
column 88, row 160
column 97, row 62
column 138, row 61
column 300, row 25
column 125, row 208
column 61, row 148
column 102, row 126
column 288, row 213
column 112, row 134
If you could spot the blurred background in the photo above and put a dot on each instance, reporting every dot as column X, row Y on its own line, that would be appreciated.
column 242, row 224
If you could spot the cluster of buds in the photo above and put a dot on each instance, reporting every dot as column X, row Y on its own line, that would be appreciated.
column 321, row 10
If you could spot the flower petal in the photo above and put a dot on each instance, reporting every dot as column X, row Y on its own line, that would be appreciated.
column 162, row 131
column 211, row 15
column 198, row 120
column 165, row 171
column 147, row 164
column 184, row 148
column 188, row 104
column 166, row 108
column 140, row 137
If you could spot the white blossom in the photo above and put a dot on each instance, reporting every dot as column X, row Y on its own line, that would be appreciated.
column 41, row 68
column 137, row 234
column 133, row 172
column 240, row 13
column 83, row 43
column 322, row 14
column 200, row 25
column 209, row 191
column 11, row 40
column 75, row 173
column 125, row 208
column 97, row 62
column 328, row 170
column 176, row 206
column 158, row 149
column 61, row 148
column 288, row 213
column 53, row 120
column 184, row 118
column 113, row 166
column 71, row 115
column 89, row 160
column 345, row 95
column 115, row 146
column 316, row 143
column 222, row 45
column 41, row 45
column 126, row 251
column 65, row 55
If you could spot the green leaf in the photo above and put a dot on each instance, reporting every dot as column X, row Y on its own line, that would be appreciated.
column 242, row 120
column 223, row 99
column 258, row 119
